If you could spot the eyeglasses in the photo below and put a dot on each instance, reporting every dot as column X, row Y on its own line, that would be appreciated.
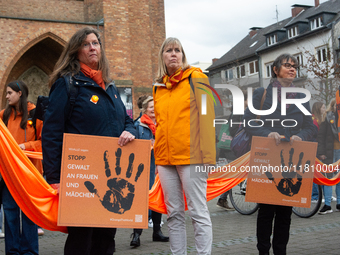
column 94, row 44
column 289, row 66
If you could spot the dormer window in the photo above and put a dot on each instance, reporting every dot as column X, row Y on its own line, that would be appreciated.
column 272, row 39
column 292, row 32
column 316, row 23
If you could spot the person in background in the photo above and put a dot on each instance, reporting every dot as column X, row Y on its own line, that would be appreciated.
column 84, row 64
column 185, row 140
column 228, row 154
column 329, row 152
column 318, row 116
column 140, row 101
column 318, row 113
column 283, row 75
column 18, row 118
column 146, row 130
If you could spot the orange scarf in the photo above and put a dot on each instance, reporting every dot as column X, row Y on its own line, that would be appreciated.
column 95, row 75
column 337, row 96
column 174, row 79
column 146, row 120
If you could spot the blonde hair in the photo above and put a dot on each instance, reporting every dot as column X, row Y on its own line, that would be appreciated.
column 316, row 110
column 331, row 106
column 68, row 62
column 146, row 104
column 161, row 71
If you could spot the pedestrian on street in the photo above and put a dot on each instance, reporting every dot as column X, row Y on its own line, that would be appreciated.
column 21, row 235
column 329, row 152
column 185, row 140
column 146, row 130
column 318, row 116
column 284, row 72
column 97, row 110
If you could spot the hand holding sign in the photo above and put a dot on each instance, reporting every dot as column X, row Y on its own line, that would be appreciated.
column 120, row 195
column 291, row 182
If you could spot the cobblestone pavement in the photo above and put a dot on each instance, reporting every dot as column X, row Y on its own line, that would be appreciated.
column 233, row 234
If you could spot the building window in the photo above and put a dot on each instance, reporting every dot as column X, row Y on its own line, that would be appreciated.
column 316, row 23
column 323, row 54
column 272, row 39
column 241, row 71
column 254, row 67
column 300, row 63
column 269, row 68
column 229, row 74
column 292, row 32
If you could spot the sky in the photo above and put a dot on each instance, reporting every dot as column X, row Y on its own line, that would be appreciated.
column 208, row 29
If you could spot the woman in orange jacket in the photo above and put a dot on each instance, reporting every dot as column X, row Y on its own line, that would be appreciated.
column 184, row 144
column 18, row 118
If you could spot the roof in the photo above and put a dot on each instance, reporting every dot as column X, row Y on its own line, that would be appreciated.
column 332, row 6
column 247, row 47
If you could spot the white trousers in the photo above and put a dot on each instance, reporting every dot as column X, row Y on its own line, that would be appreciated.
column 175, row 180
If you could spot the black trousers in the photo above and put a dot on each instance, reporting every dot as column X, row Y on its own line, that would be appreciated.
column 156, row 220
column 90, row 241
column 265, row 217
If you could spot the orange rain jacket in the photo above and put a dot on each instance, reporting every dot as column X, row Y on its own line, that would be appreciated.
column 32, row 141
column 183, row 135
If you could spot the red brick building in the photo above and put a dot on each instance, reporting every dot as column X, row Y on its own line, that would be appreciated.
column 34, row 32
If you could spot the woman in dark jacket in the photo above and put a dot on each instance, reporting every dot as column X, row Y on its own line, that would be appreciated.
column 146, row 130
column 284, row 72
column 328, row 152
column 97, row 110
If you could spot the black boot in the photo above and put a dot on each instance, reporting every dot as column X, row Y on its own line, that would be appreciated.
column 158, row 236
column 135, row 239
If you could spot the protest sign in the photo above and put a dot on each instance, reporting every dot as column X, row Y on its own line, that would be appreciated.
column 281, row 174
column 103, row 184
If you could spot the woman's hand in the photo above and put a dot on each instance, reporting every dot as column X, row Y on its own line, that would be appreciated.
column 22, row 146
column 276, row 136
column 125, row 137
column 56, row 186
column 294, row 138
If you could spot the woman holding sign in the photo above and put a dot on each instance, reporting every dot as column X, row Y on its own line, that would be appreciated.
column 82, row 73
column 185, row 142
column 283, row 74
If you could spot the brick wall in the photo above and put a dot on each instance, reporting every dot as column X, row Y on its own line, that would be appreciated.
column 133, row 32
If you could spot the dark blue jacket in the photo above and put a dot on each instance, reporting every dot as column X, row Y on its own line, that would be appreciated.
column 144, row 132
column 328, row 132
column 305, row 128
column 107, row 117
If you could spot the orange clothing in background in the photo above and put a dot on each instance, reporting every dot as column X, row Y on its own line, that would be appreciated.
column 31, row 138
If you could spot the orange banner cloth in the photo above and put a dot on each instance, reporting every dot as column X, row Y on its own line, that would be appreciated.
column 39, row 201
column 29, row 189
